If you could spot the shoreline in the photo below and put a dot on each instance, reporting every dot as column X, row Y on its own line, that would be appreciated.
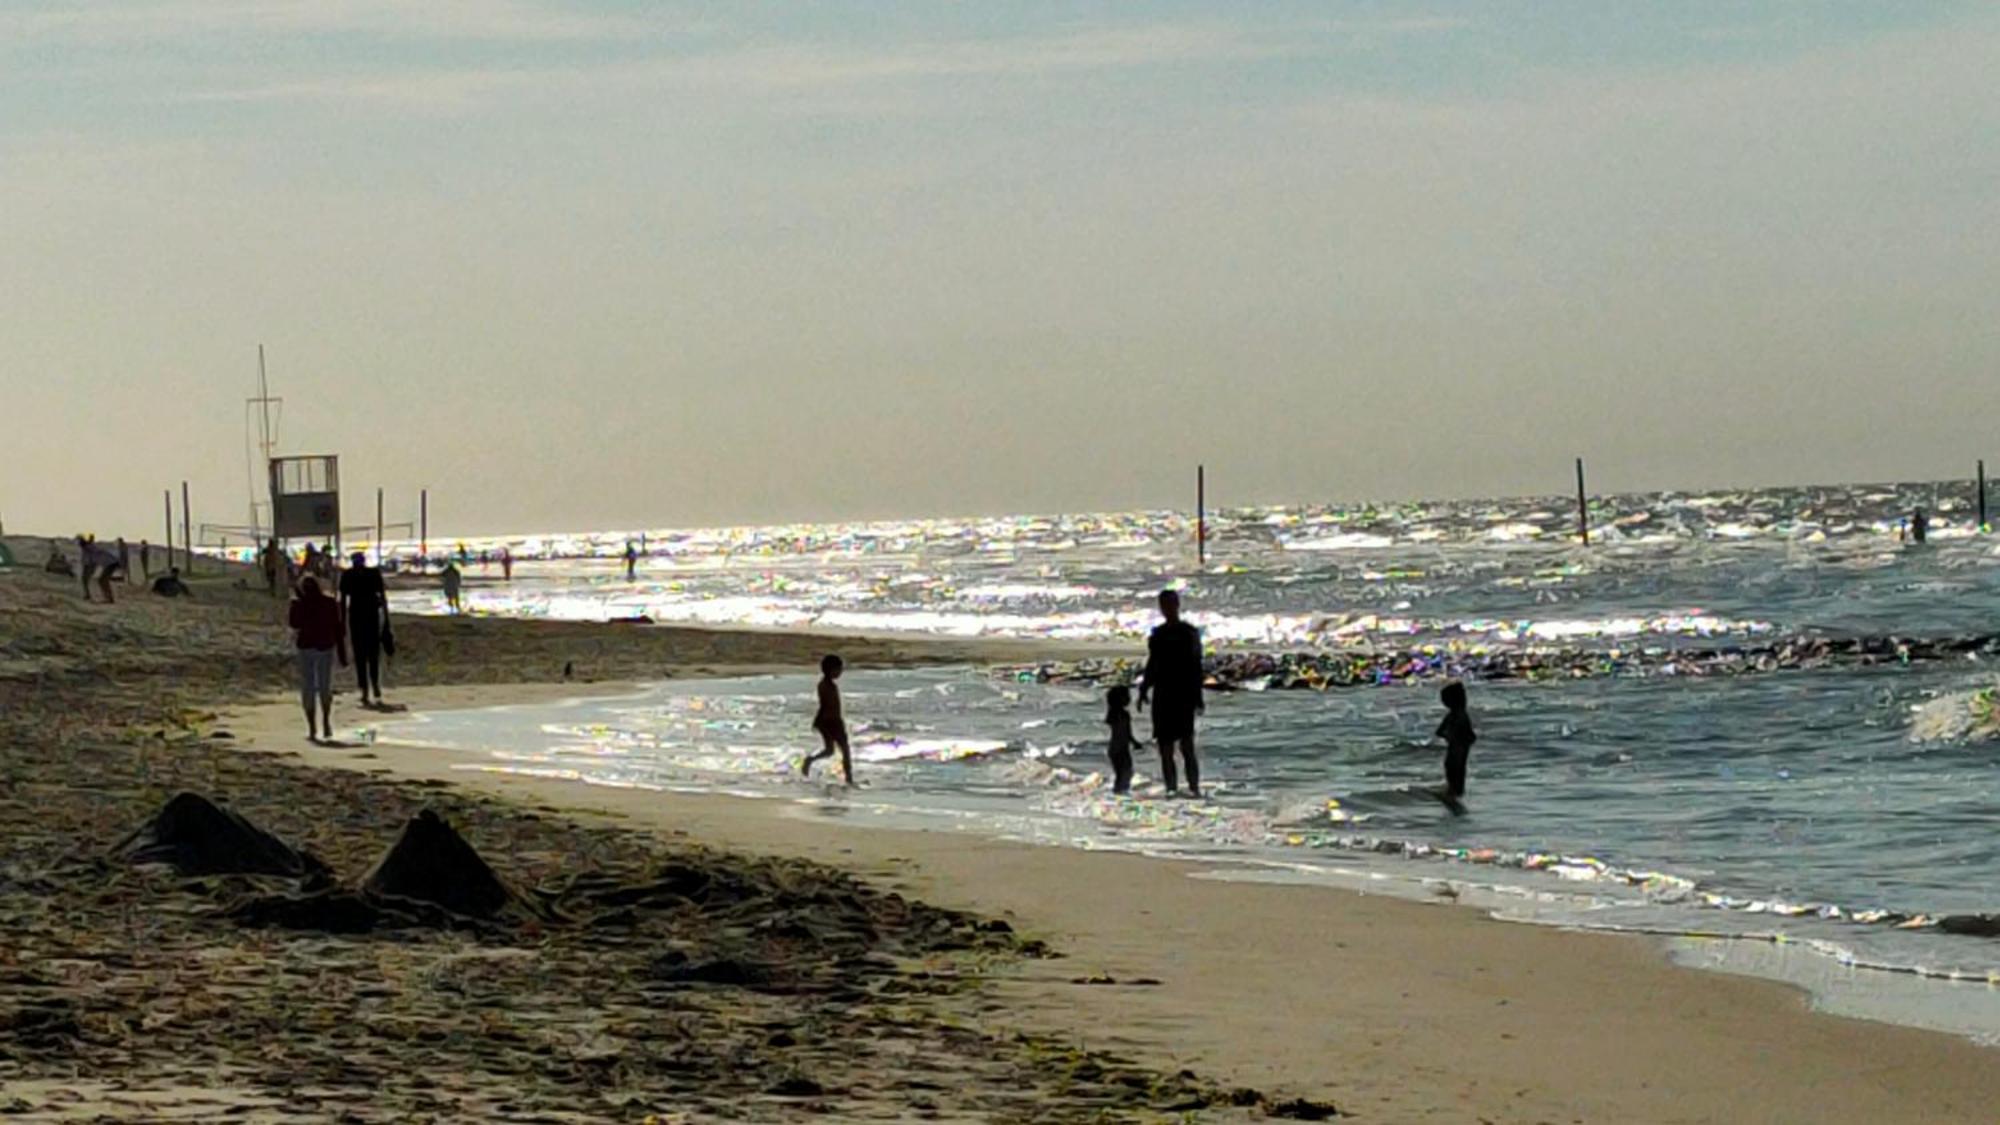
column 1500, row 1018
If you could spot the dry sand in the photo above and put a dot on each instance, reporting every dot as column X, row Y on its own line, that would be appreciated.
column 1394, row 1010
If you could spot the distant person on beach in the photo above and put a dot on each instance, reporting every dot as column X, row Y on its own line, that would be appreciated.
column 1173, row 678
column 364, row 601
column 272, row 559
column 169, row 585
column 452, row 580
column 145, row 560
column 1456, row 730
column 507, row 563
column 830, row 722
column 100, row 561
column 631, row 562
column 1920, row 526
column 59, row 564
column 1118, row 716
column 316, row 620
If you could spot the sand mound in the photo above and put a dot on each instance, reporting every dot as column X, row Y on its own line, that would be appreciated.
column 429, row 878
column 195, row 836
column 431, row 863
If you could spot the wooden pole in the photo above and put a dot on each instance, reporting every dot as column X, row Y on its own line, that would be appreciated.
column 1582, row 506
column 169, row 496
column 378, row 527
column 423, row 530
column 1201, row 514
column 187, row 530
column 1982, row 495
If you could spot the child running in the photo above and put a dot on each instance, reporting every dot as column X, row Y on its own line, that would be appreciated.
column 1456, row 730
column 1118, row 716
column 829, row 722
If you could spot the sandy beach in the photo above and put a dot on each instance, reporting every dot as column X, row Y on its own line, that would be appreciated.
column 821, row 969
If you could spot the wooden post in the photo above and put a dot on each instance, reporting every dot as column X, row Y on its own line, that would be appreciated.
column 1201, row 514
column 1982, row 495
column 1582, row 506
column 378, row 527
column 423, row 531
column 187, row 530
column 169, row 495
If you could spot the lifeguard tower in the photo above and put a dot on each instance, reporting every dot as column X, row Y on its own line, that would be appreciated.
column 305, row 499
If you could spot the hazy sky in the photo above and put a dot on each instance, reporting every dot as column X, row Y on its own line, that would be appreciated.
column 643, row 264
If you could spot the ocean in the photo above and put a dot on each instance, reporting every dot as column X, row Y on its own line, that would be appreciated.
column 1756, row 723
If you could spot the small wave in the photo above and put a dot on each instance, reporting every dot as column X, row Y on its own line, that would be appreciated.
column 1960, row 716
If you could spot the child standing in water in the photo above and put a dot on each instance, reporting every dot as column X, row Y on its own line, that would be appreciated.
column 829, row 722
column 1456, row 730
column 1118, row 716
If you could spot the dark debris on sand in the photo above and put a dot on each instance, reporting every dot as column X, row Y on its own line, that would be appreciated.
column 183, row 914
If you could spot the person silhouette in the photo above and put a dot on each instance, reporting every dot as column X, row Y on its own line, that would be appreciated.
column 315, row 620
column 1173, row 679
column 364, row 601
column 1119, row 719
column 1456, row 730
column 830, row 722
column 452, row 580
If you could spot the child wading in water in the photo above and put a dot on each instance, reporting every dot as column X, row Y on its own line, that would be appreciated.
column 1118, row 716
column 1456, row 730
column 829, row 722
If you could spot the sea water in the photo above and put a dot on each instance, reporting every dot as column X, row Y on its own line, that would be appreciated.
column 1814, row 822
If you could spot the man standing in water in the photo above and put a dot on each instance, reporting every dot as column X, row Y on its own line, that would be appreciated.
column 1173, row 678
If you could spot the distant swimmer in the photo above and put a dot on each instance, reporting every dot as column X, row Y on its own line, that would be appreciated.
column 1456, row 730
column 830, row 722
column 1173, row 678
column 1118, row 716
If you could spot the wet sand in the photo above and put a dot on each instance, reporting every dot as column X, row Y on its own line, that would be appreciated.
column 1396, row 1011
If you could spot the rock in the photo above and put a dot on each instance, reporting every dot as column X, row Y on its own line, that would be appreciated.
column 195, row 836
column 796, row 1086
column 431, row 863
column 331, row 912
column 1971, row 925
column 675, row 967
column 1303, row 1109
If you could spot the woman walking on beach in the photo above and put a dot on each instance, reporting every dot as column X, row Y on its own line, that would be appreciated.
column 321, row 635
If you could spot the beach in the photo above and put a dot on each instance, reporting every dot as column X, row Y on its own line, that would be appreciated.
column 132, row 994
